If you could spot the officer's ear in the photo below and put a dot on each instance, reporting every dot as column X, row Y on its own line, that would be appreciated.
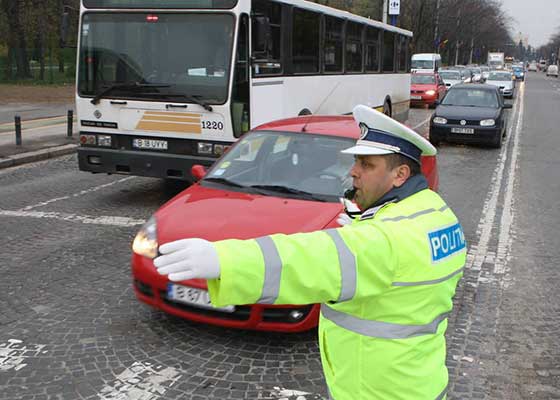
column 401, row 174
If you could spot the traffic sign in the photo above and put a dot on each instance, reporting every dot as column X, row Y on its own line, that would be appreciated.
column 394, row 7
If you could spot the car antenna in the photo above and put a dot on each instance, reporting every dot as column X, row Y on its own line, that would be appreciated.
column 319, row 108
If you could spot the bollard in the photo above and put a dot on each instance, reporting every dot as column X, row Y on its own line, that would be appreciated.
column 70, row 122
column 18, row 129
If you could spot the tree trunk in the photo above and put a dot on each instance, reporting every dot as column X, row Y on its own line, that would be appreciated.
column 16, row 38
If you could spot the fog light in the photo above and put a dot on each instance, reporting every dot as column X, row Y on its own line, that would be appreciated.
column 205, row 148
column 295, row 315
column 104, row 140
column 96, row 160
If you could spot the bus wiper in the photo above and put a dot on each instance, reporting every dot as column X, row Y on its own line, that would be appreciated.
column 224, row 181
column 194, row 98
column 290, row 190
column 129, row 86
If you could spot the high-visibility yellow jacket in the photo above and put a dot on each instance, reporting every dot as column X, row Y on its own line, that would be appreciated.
column 385, row 282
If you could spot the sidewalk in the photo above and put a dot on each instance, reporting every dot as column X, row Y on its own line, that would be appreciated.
column 42, row 138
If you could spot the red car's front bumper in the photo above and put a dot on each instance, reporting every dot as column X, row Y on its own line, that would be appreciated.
column 151, row 288
column 423, row 99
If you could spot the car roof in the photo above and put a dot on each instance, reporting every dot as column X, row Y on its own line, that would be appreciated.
column 477, row 86
column 330, row 125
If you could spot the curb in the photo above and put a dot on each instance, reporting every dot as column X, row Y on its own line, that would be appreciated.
column 37, row 155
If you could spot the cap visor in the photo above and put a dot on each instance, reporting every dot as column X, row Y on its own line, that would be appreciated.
column 367, row 151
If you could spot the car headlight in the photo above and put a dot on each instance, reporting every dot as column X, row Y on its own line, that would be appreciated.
column 430, row 92
column 145, row 243
column 439, row 120
column 487, row 122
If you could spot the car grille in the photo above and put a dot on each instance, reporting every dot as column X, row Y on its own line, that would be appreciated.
column 458, row 122
column 416, row 91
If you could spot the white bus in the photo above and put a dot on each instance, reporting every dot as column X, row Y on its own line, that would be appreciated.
column 165, row 84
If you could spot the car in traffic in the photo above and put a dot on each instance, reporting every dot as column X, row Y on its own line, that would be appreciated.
column 504, row 81
column 285, row 177
column 426, row 89
column 519, row 73
column 552, row 70
column 533, row 67
column 451, row 77
column 471, row 113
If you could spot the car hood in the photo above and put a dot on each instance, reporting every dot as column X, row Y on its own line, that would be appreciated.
column 452, row 81
column 216, row 214
column 467, row 113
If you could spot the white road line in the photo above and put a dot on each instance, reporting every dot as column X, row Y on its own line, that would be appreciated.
column 505, row 239
column 141, row 381
column 14, row 354
column 480, row 253
column 81, row 193
column 84, row 219
column 422, row 123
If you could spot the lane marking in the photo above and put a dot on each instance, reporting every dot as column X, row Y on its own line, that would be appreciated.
column 479, row 253
column 141, row 381
column 80, row 193
column 14, row 354
column 422, row 123
column 505, row 238
column 84, row 219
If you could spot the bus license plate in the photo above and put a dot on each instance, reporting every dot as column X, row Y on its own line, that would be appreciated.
column 149, row 144
column 194, row 297
column 416, row 97
column 468, row 131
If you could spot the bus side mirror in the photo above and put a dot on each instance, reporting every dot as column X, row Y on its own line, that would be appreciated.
column 262, row 34
column 198, row 171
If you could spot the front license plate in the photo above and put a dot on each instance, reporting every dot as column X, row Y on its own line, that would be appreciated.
column 194, row 297
column 149, row 144
column 416, row 97
column 468, row 131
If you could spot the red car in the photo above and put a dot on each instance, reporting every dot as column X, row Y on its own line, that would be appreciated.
column 283, row 177
column 426, row 88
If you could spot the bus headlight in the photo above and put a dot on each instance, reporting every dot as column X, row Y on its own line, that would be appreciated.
column 204, row 148
column 487, row 122
column 439, row 120
column 145, row 243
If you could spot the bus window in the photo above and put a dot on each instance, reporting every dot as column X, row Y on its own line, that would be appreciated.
column 388, row 51
column 354, row 47
column 267, row 55
column 372, row 49
column 305, row 41
column 333, row 44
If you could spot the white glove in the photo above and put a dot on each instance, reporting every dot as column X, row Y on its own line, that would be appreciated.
column 188, row 259
column 344, row 219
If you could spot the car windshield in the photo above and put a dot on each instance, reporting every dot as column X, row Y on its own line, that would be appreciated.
column 422, row 64
column 471, row 98
column 452, row 75
column 476, row 71
column 423, row 79
column 499, row 76
column 136, row 56
column 288, row 164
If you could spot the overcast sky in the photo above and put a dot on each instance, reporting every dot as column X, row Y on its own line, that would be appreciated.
column 537, row 19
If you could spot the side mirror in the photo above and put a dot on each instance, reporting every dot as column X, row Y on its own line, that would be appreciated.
column 64, row 29
column 198, row 171
column 508, row 105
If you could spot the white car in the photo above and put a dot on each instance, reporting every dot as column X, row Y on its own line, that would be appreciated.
column 503, row 80
column 451, row 77
column 552, row 70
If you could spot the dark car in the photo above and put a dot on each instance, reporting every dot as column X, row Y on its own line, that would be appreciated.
column 472, row 113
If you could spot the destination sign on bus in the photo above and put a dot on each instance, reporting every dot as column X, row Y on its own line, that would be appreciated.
column 161, row 4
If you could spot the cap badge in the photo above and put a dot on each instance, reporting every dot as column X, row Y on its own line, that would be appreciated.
column 364, row 130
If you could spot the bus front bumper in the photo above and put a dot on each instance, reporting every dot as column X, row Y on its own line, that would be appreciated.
column 140, row 163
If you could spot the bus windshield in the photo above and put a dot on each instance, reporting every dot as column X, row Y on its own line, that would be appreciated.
column 422, row 64
column 167, row 57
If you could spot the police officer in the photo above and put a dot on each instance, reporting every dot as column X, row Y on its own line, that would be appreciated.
column 385, row 282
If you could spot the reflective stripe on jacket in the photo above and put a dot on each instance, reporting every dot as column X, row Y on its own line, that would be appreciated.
column 386, row 284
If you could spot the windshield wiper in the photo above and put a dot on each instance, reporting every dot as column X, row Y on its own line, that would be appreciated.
column 289, row 190
column 129, row 85
column 224, row 181
column 193, row 98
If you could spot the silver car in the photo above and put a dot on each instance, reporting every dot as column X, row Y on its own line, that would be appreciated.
column 504, row 80
column 451, row 77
